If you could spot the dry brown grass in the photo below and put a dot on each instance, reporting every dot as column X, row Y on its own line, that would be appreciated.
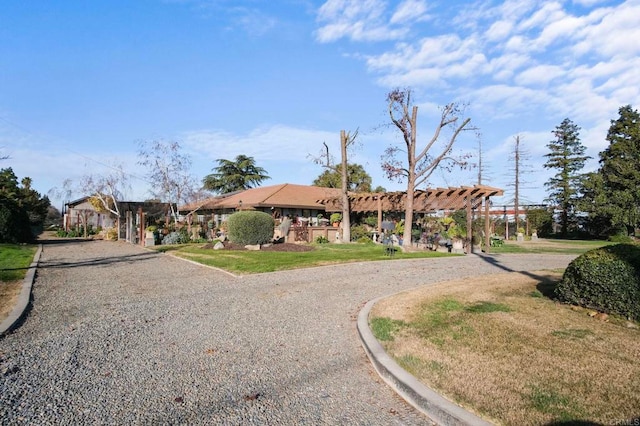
column 533, row 363
column 9, row 292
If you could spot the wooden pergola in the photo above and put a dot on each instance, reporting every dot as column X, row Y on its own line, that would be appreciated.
column 425, row 201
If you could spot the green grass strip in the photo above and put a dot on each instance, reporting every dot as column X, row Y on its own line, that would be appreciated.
column 15, row 260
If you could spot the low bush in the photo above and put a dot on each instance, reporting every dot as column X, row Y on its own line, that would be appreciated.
column 371, row 221
column 606, row 279
column 250, row 227
column 365, row 240
column 359, row 231
column 111, row 234
column 620, row 238
column 322, row 240
column 176, row 237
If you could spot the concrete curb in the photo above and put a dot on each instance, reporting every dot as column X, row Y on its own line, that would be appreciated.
column 24, row 298
column 424, row 399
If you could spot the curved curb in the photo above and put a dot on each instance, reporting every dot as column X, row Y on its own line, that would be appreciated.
column 24, row 298
column 424, row 399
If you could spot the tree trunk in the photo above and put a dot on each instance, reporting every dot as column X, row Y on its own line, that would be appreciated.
column 411, row 183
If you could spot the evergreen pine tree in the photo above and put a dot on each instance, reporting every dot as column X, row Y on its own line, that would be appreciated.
column 567, row 157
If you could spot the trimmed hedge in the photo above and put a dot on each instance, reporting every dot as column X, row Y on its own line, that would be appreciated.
column 250, row 227
column 606, row 279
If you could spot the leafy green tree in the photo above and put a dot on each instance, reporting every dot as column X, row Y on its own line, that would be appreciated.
column 594, row 201
column 358, row 179
column 22, row 209
column 566, row 156
column 620, row 172
column 237, row 175
column 541, row 220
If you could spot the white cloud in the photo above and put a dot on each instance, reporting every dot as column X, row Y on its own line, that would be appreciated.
column 499, row 31
column 410, row 10
column 612, row 32
column 539, row 75
column 549, row 12
column 504, row 67
column 540, row 60
column 367, row 20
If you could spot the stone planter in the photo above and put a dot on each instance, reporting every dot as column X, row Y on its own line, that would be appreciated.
column 149, row 239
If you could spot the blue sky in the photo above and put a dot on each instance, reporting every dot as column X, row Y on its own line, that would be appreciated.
column 81, row 82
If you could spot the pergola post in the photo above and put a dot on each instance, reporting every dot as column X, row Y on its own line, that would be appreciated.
column 469, row 226
column 379, row 215
column 487, row 238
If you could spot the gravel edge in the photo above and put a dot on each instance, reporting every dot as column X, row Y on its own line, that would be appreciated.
column 20, row 309
column 423, row 398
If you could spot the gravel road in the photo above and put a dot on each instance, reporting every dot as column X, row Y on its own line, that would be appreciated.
column 120, row 335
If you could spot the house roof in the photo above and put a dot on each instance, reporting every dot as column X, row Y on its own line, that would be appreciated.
column 79, row 201
column 286, row 195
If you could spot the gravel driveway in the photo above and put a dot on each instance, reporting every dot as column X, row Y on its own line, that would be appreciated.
column 121, row 335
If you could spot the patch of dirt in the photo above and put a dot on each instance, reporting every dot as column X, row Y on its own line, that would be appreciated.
column 288, row 247
column 9, row 292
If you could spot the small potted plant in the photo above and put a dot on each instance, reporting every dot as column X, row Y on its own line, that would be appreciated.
column 335, row 219
column 151, row 230
column 151, row 235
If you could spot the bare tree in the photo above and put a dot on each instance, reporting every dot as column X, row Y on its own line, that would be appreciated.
column 168, row 171
column 106, row 191
column 420, row 163
column 326, row 160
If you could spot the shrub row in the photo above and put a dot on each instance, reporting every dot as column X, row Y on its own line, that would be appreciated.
column 606, row 279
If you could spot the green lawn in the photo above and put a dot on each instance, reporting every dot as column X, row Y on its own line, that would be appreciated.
column 15, row 260
column 550, row 246
column 252, row 262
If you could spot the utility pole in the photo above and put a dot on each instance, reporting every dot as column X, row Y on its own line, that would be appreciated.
column 346, row 210
column 517, row 182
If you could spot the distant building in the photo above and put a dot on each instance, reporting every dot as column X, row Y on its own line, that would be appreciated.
column 297, row 201
column 133, row 216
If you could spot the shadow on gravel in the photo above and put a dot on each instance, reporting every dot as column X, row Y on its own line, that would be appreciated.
column 496, row 262
column 60, row 241
column 99, row 261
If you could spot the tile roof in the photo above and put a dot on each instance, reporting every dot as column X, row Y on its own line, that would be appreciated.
column 286, row 195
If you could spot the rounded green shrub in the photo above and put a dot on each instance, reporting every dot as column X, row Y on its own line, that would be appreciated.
column 606, row 279
column 359, row 231
column 250, row 227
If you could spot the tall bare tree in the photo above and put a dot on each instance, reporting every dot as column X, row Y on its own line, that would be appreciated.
column 168, row 170
column 106, row 191
column 420, row 163
column 326, row 160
